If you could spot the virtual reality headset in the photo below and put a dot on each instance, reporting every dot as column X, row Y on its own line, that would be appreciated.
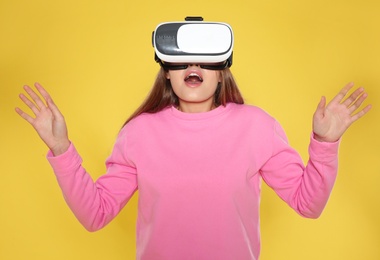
column 193, row 41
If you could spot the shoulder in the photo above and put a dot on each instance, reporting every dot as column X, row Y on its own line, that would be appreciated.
column 263, row 122
column 147, row 117
column 250, row 112
column 144, row 121
column 255, row 124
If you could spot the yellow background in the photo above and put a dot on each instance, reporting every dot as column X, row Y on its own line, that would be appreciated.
column 96, row 59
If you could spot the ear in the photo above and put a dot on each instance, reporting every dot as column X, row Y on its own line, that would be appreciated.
column 167, row 75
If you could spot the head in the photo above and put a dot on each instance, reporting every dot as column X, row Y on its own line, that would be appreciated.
column 194, row 74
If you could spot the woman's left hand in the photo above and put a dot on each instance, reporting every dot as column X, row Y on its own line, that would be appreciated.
column 331, row 121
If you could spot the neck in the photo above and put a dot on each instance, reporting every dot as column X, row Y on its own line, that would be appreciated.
column 195, row 107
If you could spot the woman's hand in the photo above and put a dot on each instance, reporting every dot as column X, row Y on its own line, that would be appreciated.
column 48, row 121
column 331, row 121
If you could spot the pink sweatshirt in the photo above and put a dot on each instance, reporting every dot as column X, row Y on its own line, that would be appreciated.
column 199, row 178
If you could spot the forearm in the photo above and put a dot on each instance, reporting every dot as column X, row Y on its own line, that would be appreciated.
column 317, row 180
column 93, row 203
column 305, row 189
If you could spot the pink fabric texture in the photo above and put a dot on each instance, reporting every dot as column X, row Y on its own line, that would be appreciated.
column 198, row 178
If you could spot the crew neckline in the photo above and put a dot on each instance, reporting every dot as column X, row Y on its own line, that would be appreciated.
column 202, row 115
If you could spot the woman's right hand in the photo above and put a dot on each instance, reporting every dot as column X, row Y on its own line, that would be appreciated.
column 48, row 121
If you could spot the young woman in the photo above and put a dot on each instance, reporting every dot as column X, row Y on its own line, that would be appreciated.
column 197, row 155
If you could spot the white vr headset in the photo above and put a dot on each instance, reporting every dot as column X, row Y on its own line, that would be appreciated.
column 208, row 44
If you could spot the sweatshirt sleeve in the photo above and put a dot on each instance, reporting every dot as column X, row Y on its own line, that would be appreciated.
column 95, row 204
column 304, row 188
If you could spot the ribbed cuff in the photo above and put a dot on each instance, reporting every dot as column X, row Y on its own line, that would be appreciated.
column 64, row 163
column 323, row 151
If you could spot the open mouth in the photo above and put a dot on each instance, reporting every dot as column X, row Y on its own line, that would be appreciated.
column 193, row 78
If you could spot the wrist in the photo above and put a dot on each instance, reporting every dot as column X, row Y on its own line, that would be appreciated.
column 60, row 148
column 318, row 138
column 323, row 139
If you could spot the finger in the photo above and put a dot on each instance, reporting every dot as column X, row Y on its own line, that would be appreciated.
column 352, row 98
column 321, row 107
column 49, row 101
column 37, row 100
column 42, row 91
column 53, row 108
column 24, row 115
column 358, row 102
column 342, row 93
column 29, row 103
column 361, row 113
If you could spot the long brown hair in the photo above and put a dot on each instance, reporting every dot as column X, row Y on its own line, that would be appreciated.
column 162, row 94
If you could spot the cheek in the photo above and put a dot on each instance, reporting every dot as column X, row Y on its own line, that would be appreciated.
column 176, row 84
column 175, row 78
column 215, row 76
